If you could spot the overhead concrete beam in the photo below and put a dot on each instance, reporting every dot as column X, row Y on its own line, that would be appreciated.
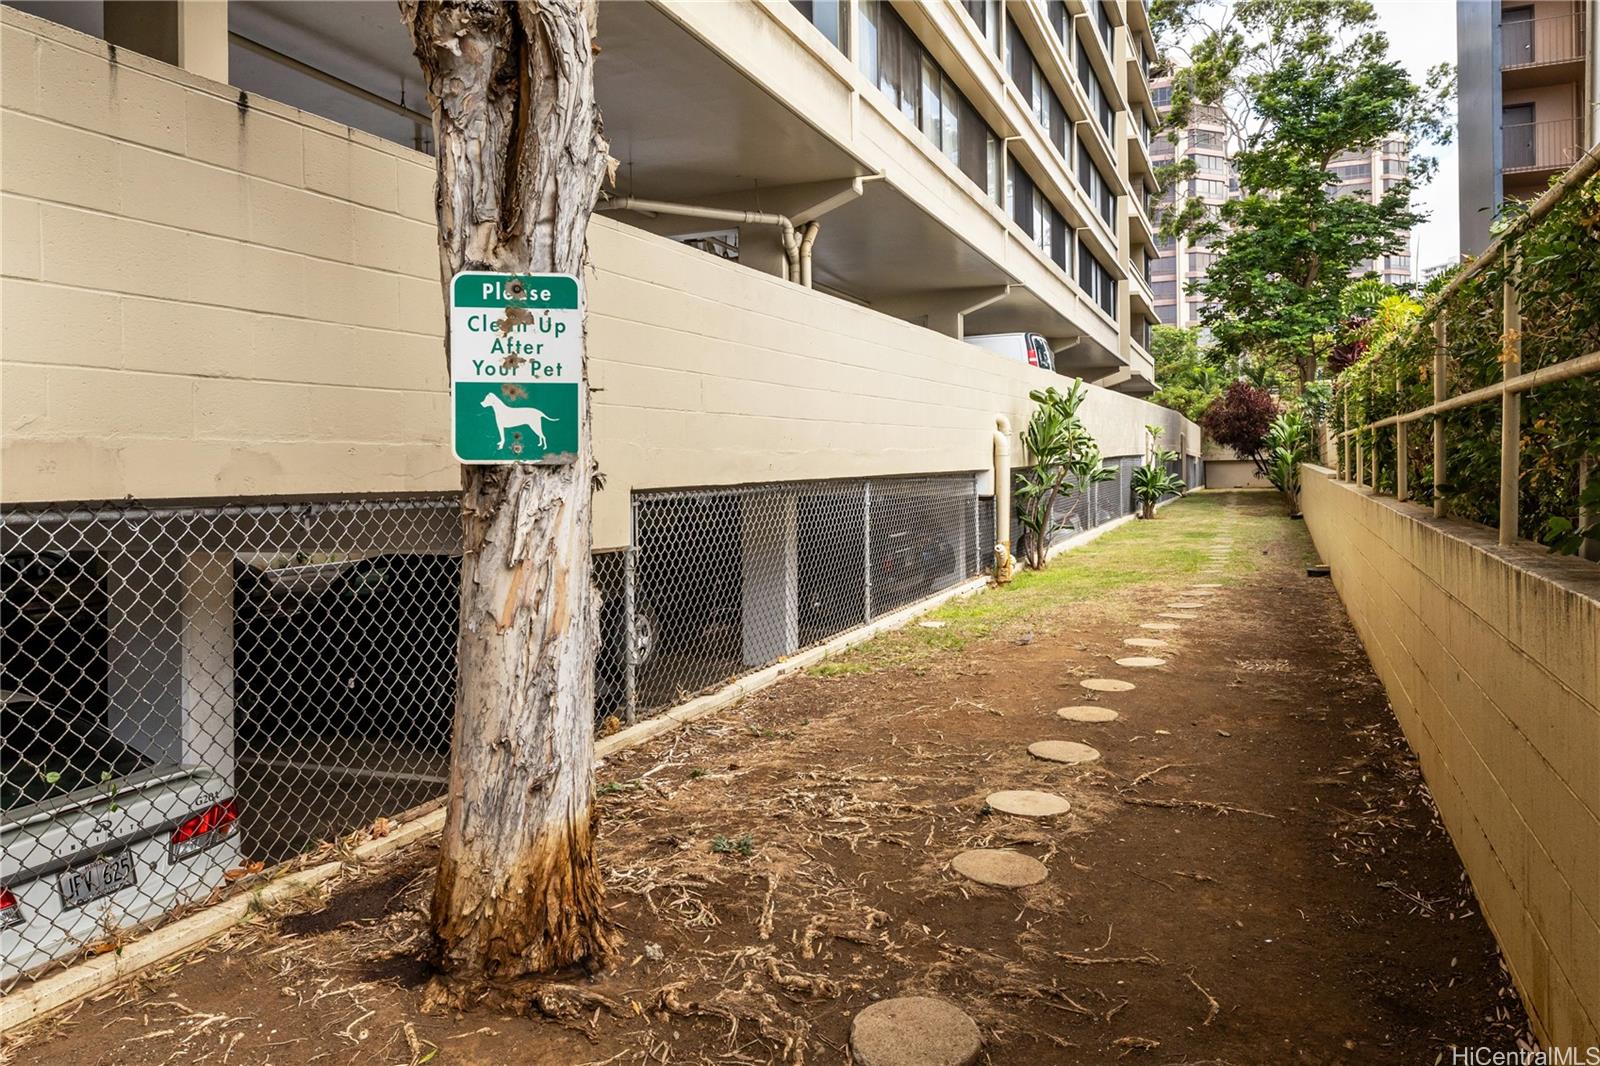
column 943, row 310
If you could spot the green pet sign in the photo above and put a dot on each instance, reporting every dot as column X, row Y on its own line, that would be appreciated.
column 516, row 367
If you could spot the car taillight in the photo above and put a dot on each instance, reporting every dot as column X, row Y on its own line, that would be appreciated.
column 10, row 909
column 200, row 831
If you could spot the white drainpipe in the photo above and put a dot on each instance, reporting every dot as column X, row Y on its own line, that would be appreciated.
column 1002, row 499
column 808, row 237
column 791, row 240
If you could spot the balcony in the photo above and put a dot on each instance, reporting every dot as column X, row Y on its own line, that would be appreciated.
column 1534, row 147
column 1534, row 51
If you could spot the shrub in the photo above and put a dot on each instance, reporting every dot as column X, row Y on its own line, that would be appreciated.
column 1240, row 418
column 1152, row 481
column 1062, row 452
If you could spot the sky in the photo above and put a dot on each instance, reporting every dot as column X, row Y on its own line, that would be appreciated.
column 1422, row 33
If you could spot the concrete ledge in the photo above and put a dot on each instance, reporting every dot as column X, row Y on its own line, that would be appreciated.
column 1491, row 660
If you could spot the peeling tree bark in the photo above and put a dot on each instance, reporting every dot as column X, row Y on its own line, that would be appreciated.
column 521, row 158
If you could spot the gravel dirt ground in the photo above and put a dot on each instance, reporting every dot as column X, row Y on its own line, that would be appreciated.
column 1251, row 872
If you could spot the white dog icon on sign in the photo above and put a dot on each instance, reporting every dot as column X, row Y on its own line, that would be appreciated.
column 509, row 417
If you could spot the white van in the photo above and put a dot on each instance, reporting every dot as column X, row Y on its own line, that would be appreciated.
column 1027, row 348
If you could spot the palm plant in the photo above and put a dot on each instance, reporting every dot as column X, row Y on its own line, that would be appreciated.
column 1152, row 481
column 1287, row 446
column 1064, row 456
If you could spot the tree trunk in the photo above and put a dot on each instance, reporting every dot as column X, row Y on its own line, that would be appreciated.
column 521, row 158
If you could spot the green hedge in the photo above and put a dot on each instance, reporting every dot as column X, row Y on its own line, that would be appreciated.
column 1558, row 284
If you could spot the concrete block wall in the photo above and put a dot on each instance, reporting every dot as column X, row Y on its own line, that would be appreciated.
column 206, row 294
column 1491, row 660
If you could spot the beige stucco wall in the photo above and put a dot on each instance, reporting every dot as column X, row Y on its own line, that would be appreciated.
column 1234, row 474
column 1227, row 469
column 204, row 296
column 1491, row 660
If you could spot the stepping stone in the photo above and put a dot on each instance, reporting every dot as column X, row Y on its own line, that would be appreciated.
column 1027, row 803
column 914, row 1031
column 999, row 868
column 1067, row 751
column 1141, row 661
column 1106, row 684
column 1087, row 712
column 1162, row 626
column 1144, row 642
column 1186, row 605
column 1187, row 616
column 1207, row 585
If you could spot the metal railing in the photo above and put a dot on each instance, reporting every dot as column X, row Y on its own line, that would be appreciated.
column 1354, row 464
column 1547, row 145
column 1547, row 39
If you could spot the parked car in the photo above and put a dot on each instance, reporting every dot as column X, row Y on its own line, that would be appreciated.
column 97, row 836
column 1028, row 348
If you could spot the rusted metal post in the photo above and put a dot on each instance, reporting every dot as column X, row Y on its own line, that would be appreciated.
column 1510, row 416
column 1344, row 440
column 1439, row 357
column 1372, row 388
column 1402, row 478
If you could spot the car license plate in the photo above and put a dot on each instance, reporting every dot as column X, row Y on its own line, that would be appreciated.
column 102, row 877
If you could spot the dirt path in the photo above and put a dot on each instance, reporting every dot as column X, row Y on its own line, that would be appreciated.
column 1250, row 874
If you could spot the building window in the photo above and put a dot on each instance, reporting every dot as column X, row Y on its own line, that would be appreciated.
column 1166, row 289
column 830, row 17
column 1099, row 99
column 1210, row 164
column 1161, row 96
column 1394, row 167
column 1101, row 192
column 985, row 14
column 1102, row 22
column 1352, row 171
column 1095, row 280
column 890, row 55
column 1045, row 105
column 1061, row 22
column 1206, row 188
column 1033, row 212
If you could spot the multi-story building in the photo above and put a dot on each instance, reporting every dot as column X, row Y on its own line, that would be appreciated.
column 223, row 314
column 1527, row 77
column 1205, row 140
column 1369, row 175
column 1184, row 260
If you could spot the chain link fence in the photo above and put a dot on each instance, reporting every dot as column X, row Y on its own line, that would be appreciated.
column 1094, row 505
column 728, row 580
column 190, row 691
column 194, row 692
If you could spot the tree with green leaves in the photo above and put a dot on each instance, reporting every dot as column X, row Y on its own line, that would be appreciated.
column 1188, row 379
column 1297, row 83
